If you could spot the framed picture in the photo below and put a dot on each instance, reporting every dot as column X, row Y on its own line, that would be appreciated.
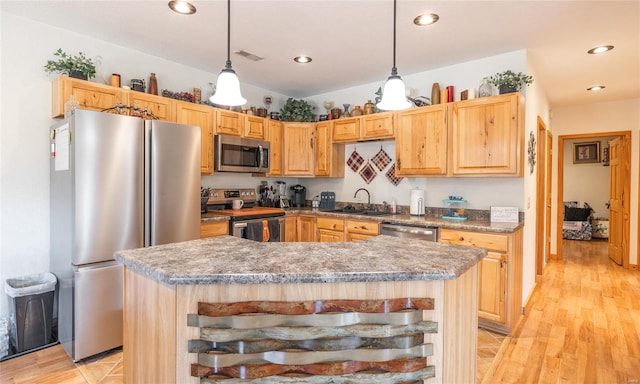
column 586, row 152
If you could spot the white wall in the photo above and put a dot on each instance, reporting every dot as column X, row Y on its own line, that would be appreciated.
column 622, row 115
column 587, row 182
column 25, row 118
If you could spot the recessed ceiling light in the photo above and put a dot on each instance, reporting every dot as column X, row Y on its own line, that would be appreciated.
column 426, row 19
column 302, row 59
column 600, row 49
column 182, row 7
column 596, row 88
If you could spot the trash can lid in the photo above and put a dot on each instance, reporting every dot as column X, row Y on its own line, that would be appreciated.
column 30, row 285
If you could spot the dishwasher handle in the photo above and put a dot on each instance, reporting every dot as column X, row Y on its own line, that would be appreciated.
column 425, row 233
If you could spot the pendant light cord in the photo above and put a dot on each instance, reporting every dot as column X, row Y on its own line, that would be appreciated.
column 228, row 64
column 394, row 70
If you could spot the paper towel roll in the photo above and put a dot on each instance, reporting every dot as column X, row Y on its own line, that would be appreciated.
column 417, row 202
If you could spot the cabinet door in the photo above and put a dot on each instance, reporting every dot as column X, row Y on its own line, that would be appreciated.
column 486, row 137
column 254, row 127
column 357, row 237
column 211, row 229
column 298, row 149
column 92, row 96
column 229, row 123
column 346, row 129
column 306, row 228
column 363, row 227
column 328, row 236
column 161, row 107
column 202, row 116
column 329, row 157
column 291, row 228
column 273, row 134
column 421, row 141
column 491, row 280
column 377, row 126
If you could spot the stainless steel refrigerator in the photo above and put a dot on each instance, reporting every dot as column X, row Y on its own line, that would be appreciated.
column 117, row 182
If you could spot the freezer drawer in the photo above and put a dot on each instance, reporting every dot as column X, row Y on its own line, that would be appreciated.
column 98, row 309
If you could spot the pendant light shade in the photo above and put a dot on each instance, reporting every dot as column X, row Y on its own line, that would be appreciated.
column 394, row 94
column 228, row 85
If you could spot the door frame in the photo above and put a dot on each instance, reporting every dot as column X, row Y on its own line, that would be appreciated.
column 560, row 199
column 543, row 158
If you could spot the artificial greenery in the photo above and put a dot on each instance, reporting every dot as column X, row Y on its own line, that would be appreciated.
column 67, row 63
column 510, row 79
column 297, row 110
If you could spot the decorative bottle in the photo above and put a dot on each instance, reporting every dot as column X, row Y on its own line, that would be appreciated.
column 435, row 94
column 486, row 89
column 153, row 84
column 368, row 107
column 356, row 111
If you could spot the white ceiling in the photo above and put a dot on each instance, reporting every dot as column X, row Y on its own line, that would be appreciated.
column 351, row 44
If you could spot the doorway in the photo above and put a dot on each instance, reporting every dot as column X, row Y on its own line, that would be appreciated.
column 543, row 197
column 625, row 166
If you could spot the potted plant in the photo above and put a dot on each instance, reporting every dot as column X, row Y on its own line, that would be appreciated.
column 78, row 66
column 297, row 110
column 509, row 81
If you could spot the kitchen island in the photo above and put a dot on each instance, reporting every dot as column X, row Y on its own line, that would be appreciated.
column 229, row 308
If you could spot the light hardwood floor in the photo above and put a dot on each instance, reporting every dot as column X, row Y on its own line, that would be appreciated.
column 584, row 327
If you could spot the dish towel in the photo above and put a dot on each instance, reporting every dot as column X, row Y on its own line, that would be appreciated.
column 274, row 230
column 265, row 230
column 254, row 231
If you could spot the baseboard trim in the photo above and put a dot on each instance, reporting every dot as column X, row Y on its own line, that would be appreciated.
column 633, row 267
column 553, row 256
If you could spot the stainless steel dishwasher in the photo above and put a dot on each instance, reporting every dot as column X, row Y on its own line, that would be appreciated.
column 419, row 232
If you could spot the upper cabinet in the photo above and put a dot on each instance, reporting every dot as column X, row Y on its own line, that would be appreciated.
column 329, row 157
column 204, row 117
column 298, row 149
column 273, row 135
column 254, row 127
column 161, row 107
column 487, row 136
column 347, row 129
column 377, row 126
column 421, row 141
column 93, row 96
column 229, row 123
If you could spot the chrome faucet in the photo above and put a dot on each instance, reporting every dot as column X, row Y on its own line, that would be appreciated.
column 368, row 196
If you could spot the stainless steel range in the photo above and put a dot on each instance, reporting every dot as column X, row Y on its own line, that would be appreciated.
column 251, row 221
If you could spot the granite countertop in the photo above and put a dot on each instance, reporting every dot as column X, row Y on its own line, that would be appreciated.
column 233, row 260
column 471, row 225
column 211, row 217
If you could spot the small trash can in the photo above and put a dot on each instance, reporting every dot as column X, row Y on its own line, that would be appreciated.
column 30, row 310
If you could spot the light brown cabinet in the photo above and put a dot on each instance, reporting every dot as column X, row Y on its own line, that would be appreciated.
column 291, row 228
column 361, row 229
column 92, row 96
column 500, row 275
column 254, row 127
column 377, row 126
column 212, row 229
column 328, row 157
column 298, row 149
column 346, row 129
column 421, row 141
column 487, row 136
column 161, row 107
column 330, row 229
column 229, row 123
column 204, row 117
column 273, row 135
column 306, row 228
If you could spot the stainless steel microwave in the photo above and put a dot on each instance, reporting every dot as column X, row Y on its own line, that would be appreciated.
column 240, row 154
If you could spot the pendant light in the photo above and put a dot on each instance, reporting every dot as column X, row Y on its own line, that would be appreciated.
column 394, row 94
column 228, row 85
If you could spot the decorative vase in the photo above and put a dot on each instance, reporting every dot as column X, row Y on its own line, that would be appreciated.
column 153, row 84
column 346, row 110
column 368, row 108
column 486, row 89
column 504, row 88
column 435, row 94
column 78, row 75
column 335, row 113
column 356, row 111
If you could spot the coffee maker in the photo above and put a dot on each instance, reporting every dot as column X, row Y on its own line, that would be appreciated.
column 298, row 196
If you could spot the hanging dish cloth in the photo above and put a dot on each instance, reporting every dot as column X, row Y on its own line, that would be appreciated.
column 391, row 175
column 355, row 161
column 368, row 173
column 381, row 159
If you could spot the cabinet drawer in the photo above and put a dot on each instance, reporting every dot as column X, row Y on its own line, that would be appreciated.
column 346, row 129
column 488, row 241
column 217, row 228
column 330, row 223
column 363, row 227
column 377, row 126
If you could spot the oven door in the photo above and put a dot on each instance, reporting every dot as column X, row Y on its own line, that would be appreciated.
column 237, row 154
column 254, row 229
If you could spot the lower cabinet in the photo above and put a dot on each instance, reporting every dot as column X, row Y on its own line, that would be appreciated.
column 212, row 229
column 500, row 275
column 306, row 228
column 361, row 229
column 330, row 229
column 291, row 228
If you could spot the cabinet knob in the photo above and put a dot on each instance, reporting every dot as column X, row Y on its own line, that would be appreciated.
column 461, row 238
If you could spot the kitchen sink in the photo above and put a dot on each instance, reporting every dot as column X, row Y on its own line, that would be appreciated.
column 356, row 211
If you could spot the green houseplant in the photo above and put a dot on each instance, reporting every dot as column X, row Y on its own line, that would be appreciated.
column 509, row 81
column 78, row 66
column 297, row 110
